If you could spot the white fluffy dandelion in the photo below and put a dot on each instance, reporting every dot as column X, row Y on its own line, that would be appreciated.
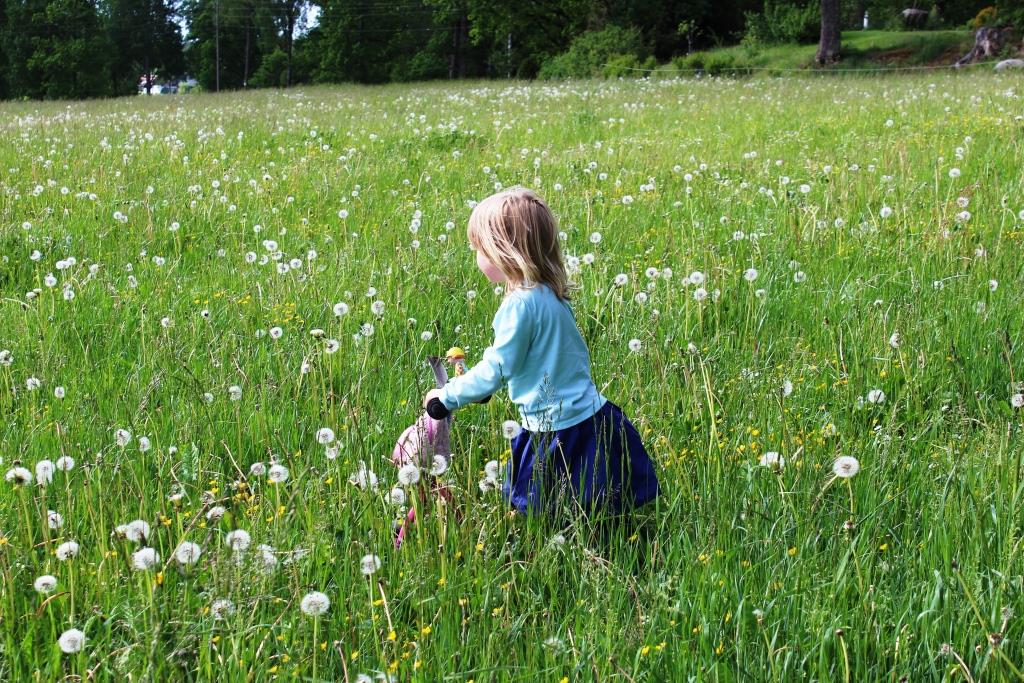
column 238, row 540
column 144, row 559
column 315, row 603
column 635, row 345
column 65, row 463
column 187, row 552
column 19, row 476
column 369, row 564
column 325, row 435
column 408, row 475
column 122, row 437
column 363, row 477
column 71, row 641
column 67, row 550
column 137, row 530
column 54, row 519
column 438, row 465
column 492, row 469
column 876, row 396
column 44, row 472
column 510, row 429
column 222, row 608
column 846, row 466
column 277, row 474
column 46, row 583
column 773, row 460
column 235, row 392
column 397, row 496
column 1017, row 400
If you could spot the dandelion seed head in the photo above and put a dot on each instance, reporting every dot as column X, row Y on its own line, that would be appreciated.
column 145, row 558
column 846, row 466
column 71, row 641
column 67, row 550
column 315, row 603
column 369, row 564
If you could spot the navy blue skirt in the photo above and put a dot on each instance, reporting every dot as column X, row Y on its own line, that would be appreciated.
column 597, row 464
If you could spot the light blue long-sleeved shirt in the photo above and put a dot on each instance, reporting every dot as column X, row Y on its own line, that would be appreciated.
column 539, row 352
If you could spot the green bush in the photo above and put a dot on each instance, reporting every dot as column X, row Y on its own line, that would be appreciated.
column 272, row 72
column 690, row 62
column 590, row 52
column 783, row 22
column 628, row 66
column 987, row 16
column 720, row 63
column 1015, row 18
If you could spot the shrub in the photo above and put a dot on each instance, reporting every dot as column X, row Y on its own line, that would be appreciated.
column 628, row 66
column 985, row 17
column 272, row 71
column 717, row 64
column 591, row 51
column 783, row 22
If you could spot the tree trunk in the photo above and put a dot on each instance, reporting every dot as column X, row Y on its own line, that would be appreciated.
column 828, row 45
column 292, row 9
column 988, row 43
column 245, row 71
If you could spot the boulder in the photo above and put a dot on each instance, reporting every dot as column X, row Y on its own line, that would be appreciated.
column 1008, row 64
column 914, row 18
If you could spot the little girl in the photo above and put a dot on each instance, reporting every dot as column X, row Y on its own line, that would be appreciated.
column 576, row 448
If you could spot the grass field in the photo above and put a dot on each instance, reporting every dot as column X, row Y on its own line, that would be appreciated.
column 860, row 50
column 816, row 270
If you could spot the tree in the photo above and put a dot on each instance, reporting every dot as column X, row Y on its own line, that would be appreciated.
column 3, row 50
column 146, row 38
column 227, row 40
column 829, row 43
column 56, row 49
column 286, row 14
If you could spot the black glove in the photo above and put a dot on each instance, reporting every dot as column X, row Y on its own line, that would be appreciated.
column 436, row 409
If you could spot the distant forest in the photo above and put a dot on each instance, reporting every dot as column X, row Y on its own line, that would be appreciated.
column 99, row 48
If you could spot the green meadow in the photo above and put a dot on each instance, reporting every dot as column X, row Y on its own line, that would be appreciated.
column 215, row 315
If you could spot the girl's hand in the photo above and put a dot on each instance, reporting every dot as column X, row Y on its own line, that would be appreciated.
column 431, row 394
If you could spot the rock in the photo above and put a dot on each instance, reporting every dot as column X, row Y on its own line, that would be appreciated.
column 914, row 18
column 1008, row 64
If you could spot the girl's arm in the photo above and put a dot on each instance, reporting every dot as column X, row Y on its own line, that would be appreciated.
column 513, row 329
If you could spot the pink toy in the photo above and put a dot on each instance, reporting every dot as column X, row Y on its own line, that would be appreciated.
column 428, row 437
column 419, row 444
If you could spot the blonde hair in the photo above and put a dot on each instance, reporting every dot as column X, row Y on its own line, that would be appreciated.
column 517, row 232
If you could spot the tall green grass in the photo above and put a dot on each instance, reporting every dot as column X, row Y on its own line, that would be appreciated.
column 911, row 568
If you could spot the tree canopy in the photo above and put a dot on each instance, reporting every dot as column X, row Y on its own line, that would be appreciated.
column 95, row 48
